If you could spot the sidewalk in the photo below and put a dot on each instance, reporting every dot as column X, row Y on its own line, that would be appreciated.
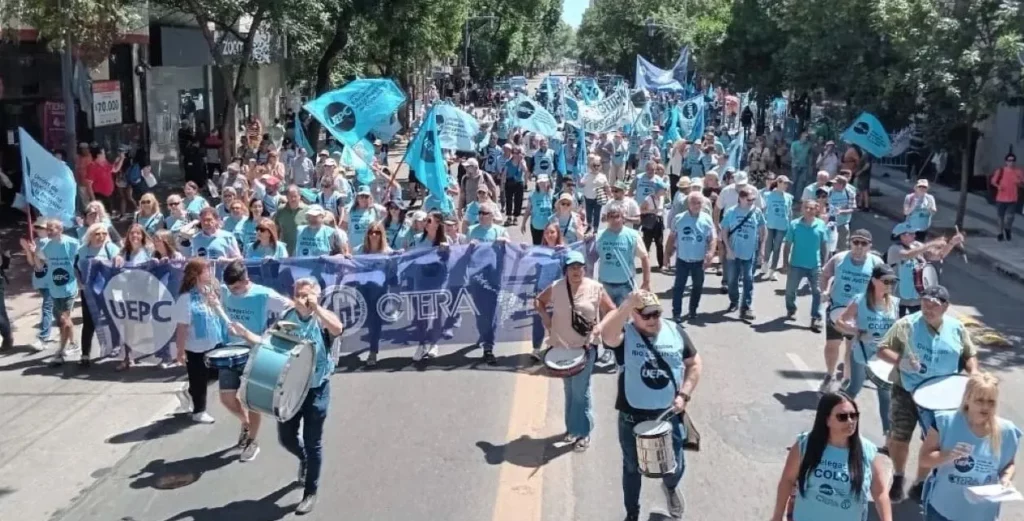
column 979, row 223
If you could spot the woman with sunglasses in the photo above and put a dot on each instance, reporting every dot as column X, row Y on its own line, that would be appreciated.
column 266, row 245
column 833, row 469
column 575, row 295
column 573, row 227
column 434, row 276
column 95, row 245
column 968, row 447
column 148, row 214
column 538, row 211
column 395, row 225
column 867, row 320
column 193, row 202
column 372, row 290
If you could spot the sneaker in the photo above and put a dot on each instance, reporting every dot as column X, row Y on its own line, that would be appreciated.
column 747, row 314
column 581, row 444
column 692, row 316
column 202, row 417
column 826, row 384
column 773, row 277
column 816, row 325
column 489, row 358
column 302, row 473
column 168, row 364
column 676, row 505
column 421, row 352
column 250, row 450
column 731, row 308
column 537, row 354
column 56, row 361
column 569, row 438
column 243, row 436
column 307, row 505
column 678, row 319
column 896, row 492
column 371, row 361
column 40, row 345
column 432, row 352
column 916, row 490
column 790, row 315
column 84, row 363
column 632, row 517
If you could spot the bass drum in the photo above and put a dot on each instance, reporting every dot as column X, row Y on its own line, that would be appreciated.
column 925, row 276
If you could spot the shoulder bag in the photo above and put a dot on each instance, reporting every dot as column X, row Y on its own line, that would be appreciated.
column 692, row 440
column 580, row 323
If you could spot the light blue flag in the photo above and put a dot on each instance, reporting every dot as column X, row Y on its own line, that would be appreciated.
column 671, row 130
column 50, row 184
column 691, row 118
column 736, row 150
column 356, row 160
column 427, row 160
column 459, row 129
column 652, row 77
column 526, row 114
column 300, row 137
column 560, row 165
column 353, row 111
column 387, row 130
column 868, row 133
column 581, row 154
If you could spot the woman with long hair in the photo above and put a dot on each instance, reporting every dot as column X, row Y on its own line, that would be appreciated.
column 395, row 225
column 200, row 328
column 137, row 250
column 970, row 446
column 96, row 213
column 867, row 320
column 193, row 202
column 547, row 273
column 833, row 469
column 432, row 277
column 372, row 290
column 256, row 214
column 96, row 244
column 164, row 246
column 148, row 214
column 363, row 212
column 375, row 241
column 266, row 245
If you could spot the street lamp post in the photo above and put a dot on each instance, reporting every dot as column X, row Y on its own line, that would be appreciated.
column 466, row 39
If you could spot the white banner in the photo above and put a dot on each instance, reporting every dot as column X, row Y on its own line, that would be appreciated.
column 901, row 140
column 106, row 103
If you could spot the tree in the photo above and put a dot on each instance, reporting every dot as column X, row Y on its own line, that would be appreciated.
column 507, row 43
column 93, row 25
column 962, row 60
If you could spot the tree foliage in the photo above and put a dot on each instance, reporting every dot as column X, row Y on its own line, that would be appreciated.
column 93, row 24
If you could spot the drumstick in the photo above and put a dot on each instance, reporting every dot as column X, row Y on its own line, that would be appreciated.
column 963, row 251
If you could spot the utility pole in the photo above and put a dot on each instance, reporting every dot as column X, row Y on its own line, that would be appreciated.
column 67, row 74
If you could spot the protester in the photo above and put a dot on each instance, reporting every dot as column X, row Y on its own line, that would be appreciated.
column 1007, row 180
column 919, row 208
column 693, row 239
column 778, row 207
column 743, row 236
column 199, row 328
column 805, row 251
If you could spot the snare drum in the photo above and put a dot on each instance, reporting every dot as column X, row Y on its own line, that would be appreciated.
column 925, row 275
column 278, row 375
column 656, row 457
column 942, row 393
column 228, row 357
column 563, row 362
column 879, row 371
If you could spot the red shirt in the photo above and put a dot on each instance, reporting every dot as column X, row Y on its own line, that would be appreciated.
column 1006, row 181
column 101, row 173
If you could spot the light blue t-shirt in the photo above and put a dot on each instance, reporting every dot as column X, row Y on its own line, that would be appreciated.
column 872, row 324
column 744, row 239
column 981, row 467
column 213, row 247
column 641, row 389
column 693, row 235
column 851, row 279
column 359, row 221
column 809, row 193
column 617, row 251
column 937, row 354
column 60, row 259
column 194, row 206
column 513, row 172
column 827, row 493
column 236, row 227
column 491, row 233
column 619, row 153
column 39, row 277
column 777, row 208
column 279, row 251
column 646, row 186
column 567, row 225
column 544, row 162
column 254, row 309
column 310, row 242
column 842, row 200
column 541, row 209
column 310, row 329
column 87, row 253
column 920, row 218
column 151, row 224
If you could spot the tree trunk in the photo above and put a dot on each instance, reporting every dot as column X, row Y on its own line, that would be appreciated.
column 965, row 171
column 405, row 82
column 338, row 42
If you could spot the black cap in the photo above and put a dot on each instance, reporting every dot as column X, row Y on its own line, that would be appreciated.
column 936, row 292
column 861, row 233
column 883, row 272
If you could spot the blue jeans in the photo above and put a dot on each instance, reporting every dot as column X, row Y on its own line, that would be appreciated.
column 308, row 448
column 46, row 315
column 631, row 478
column 736, row 268
column 579, row 406
column 931, row 515
column 685, row 270
column 793, row 284
column 774, row 246
column 617, row 291
column 800, row 176
column 5, row 320
column 858, row 373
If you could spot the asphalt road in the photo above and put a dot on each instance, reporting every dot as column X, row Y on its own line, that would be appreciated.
column 461, row 441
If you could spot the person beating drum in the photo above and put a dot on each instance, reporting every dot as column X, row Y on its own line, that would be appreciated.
column 867, row 319
column 969, row 447
column 659, row 367
column 907, row 255
column 572, row 297
column 312, row 319
column 923, row 345
column 832, row 469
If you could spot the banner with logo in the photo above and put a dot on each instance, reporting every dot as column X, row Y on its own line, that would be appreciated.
column 425, row 157
column 652, row 77
column 457, row 296
column 691, row 118
column 869, row 134
column 607, row 115
column 353, row 111
column 50, row 185
column 459, row 129
column 527, row 114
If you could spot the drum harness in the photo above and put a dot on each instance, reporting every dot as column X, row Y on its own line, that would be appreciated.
column 692, row 440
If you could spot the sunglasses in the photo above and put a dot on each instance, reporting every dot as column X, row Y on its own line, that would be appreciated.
column 262, row 230
column 565, row 204
column 650, row 316
column 860, row 243
column 889, row 282
column 173, row 204
column 485, row 213
column 848, row 416
column 375, row 232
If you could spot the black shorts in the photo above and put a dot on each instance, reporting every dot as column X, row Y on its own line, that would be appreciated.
column 631, row 162
column 831, row 333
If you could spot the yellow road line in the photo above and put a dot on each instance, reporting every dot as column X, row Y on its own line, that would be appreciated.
column 521, row 487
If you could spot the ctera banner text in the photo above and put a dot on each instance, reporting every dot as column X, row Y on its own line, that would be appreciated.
column 462, row 295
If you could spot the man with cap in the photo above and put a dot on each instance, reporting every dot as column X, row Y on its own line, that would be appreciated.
column 804, row 252
column 659, row 368
column 919, row 208
column 314, row 239
column 648, row 152
column 743, row 237
column 924, row 345
column 618, row 247
column 289, row 217
column 693, row 236
column 842, row 200
column 471, row 183
column 844, row 279
column 627, row 206
column 729, row 196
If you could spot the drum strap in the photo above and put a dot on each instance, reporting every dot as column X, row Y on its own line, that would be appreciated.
column 692, row 440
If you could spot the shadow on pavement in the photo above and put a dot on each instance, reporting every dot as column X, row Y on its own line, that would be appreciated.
column 798, row 401
column 793, row 374
column 264, row 509
column 167, row 475
column 460, row 359
column 103, row 371
column 777, row 325
column 4, row 491
column 525, row 451
column 158, row 429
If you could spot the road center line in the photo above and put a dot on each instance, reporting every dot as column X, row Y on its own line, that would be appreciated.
column 804, row 370
column 521, row 487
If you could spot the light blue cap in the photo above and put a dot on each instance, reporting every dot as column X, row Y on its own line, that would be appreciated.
column 903, row 227
column 574, row 257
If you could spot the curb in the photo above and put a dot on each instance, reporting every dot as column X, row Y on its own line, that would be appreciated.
column 982, row 257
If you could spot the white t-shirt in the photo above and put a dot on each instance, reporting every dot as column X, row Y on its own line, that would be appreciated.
column 730, row 197
column 181, row 313
column 628, row 206
column 591, row 182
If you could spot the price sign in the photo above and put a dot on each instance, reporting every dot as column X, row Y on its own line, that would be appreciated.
column 106, row 103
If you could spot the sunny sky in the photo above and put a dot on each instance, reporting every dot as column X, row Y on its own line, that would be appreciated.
column 572, row 11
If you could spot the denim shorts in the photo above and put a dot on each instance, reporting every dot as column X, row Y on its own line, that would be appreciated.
column 63, row 305
column 229, row 379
